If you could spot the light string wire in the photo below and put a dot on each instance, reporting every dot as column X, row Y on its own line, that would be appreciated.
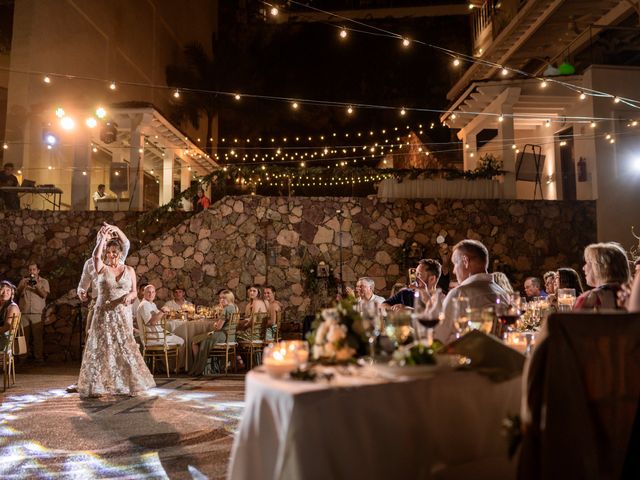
column 587, row 91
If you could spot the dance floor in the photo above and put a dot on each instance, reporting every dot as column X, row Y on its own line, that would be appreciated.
column 181, row 429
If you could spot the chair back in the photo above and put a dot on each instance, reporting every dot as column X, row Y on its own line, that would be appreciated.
column 230, row 329
column 582, row 394
column 259, row 327
column 15, row 325
column 154, row 335
column 276, row 327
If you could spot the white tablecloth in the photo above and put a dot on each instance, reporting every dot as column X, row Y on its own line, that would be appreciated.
column 445, row 426
column 440, row 188
column 187, row 329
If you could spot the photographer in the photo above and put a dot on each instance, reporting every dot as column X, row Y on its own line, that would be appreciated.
column 33, row 291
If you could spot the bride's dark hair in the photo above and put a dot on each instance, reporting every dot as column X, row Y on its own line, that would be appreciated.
column 114, row 243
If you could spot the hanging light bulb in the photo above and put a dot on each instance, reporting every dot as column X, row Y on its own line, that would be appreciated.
column 176, row 93
column 406, row 42
column 274, row 11
column 593, row 125
column 616, row 100
column 295, row 105
column 237, row 96
column 403, row 111
column 504, row 72
column 113, row 86
column 350, row 110
column 582, row 96
column 46, row 79
column 543, row 84
column 343, row 33
column 456, row 62
column 501, row 118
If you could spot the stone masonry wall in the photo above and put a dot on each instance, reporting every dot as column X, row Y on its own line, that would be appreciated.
column 278, row 241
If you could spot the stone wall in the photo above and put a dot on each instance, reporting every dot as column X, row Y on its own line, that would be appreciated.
column 279, row 241
column 60, row 242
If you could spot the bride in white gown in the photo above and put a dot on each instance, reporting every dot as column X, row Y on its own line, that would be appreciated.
column 112, row 363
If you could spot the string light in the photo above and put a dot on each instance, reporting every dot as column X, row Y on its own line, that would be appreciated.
column 294, row 105
column 343, row 33
column 237, row 96
column 593, row 125
column 501, row 118
column 112, row 86
column 46, row 79
column 100, row 112
column 406, row 42
column 616, row 100
column 456, row 62
column 176, row 93
column 543, row 84
column 504, row 72
column 582, row 96
column 274, row 11
column 547, row 123
column 59, row 112
column 91, row 122
column 350, row 110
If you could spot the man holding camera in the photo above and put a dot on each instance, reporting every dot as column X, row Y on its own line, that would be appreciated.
column 33, row 291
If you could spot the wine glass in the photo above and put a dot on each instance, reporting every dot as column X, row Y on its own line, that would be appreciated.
column 508, row 313
column 566, row 299
column 429, row 312
column 371, row 325
column 460, row 313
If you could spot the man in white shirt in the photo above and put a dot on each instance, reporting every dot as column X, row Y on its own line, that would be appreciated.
column 100, row 194
column 364, row 292
column 150, row 318
column 179, row 302
column 470, row 260
column 33, row 291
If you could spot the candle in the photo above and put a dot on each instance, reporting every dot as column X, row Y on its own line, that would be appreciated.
column 281, row 359
column 518, row 341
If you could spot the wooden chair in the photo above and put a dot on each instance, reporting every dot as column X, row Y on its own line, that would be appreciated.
column 8, row 361
column 252, row 341
column 154, row 345
column 226, row 350
column 582, row 398
column 277, row 335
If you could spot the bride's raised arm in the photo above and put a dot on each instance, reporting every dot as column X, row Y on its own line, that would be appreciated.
column 98, row 264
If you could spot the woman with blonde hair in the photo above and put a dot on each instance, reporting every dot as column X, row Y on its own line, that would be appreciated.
column 502, row 280
column 606, row 269
column 201, row 344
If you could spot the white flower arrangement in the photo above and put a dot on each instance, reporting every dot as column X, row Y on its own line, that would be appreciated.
column 330, row 339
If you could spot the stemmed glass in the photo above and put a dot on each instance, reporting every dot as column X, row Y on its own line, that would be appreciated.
column 566, row 299
column 508, row 313
column 460, row 313
column 371, row 325
column 427, row 311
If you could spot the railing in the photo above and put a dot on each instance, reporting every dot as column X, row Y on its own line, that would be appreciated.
column 481, row 19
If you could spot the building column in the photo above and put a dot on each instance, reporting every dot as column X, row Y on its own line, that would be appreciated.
column 507, row 134
column 81, row 173
column 166, row 182
column 136, row 165
column 185, row 182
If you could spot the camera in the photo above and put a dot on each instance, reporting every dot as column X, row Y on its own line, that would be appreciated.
column 32, row 281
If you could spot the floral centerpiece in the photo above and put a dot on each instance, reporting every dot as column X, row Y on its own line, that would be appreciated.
column 337, row 334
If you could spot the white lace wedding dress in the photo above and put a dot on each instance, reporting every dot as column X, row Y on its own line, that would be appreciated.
column 112, row 363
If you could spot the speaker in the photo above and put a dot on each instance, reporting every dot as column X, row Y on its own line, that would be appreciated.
column 109, row 132
column 119, row 177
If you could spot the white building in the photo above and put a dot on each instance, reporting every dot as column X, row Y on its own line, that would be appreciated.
column 78, row 56
column 590, row 143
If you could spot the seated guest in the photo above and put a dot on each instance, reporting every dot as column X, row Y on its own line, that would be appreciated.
column 364, row 292
column 8, row 310
column 150, row 318
column 502, row 280
column 135, row 304
column 470, row 260
column 179, row 302
column 254, row 305
column 427, row 273
column 606, row 269
column 200, row 201
column 568, row 278
column 533, row 288
column 201, row 344
column 549, row 279
column 273, row 308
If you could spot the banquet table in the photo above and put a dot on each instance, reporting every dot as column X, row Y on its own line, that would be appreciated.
column 444, row 426
column 187, row 329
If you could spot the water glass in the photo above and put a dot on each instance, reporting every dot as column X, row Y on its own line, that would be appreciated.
column 566, row 299
column 460, row 314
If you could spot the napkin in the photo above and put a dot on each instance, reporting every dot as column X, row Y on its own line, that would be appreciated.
column 488, row 355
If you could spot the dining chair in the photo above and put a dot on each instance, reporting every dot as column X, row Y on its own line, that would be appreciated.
column 582, row 391
column 8, row 360
column 156, row 345
column 253, row 341
column 224, row 351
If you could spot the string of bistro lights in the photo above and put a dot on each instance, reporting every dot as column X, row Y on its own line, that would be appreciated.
column 458, row 57
column 322, row 153
column 345, row 162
